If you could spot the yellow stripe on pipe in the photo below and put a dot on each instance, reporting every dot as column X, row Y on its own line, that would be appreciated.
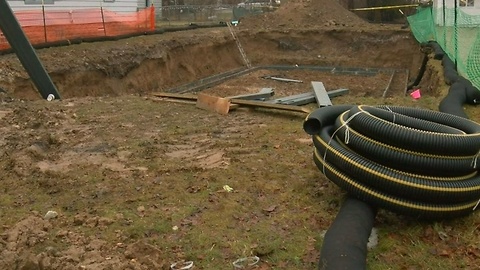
column 398, row 181
column 392, row 200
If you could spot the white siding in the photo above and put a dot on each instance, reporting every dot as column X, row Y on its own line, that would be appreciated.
column 451, row 4
column 140, row 4
column 116, row 6
column 158, row 8
column 449, row 16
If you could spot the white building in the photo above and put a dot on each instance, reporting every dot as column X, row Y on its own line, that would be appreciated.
column 462, row 3
column 111, row 5
column 467, row 7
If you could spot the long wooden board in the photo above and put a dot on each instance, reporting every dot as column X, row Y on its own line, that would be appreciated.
column 249, row 103
column 261, row 104
column 175, row 95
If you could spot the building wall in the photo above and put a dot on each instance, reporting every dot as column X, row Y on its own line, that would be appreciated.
column 158, row 8
column 112, row 5
column 451, row 3
column 450, row 15
column 142, row 3
column 146, row 3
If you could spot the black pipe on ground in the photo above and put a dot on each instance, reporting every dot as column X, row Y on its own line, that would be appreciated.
column 345, row 243
column 461, row 90
column 427, row 48
column 450, row 73
column 437, row 50
column 420, row 74
column 453, row 102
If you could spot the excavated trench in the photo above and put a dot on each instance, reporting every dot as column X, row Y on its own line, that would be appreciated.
column 162, row 62
column 143, row 64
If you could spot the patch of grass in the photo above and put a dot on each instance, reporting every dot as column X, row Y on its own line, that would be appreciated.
column 280, row 203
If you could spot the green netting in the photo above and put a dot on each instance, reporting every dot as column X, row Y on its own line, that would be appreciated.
column 457, row 31
column 421, row 24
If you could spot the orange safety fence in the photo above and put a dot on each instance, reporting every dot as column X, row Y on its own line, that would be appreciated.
column 51, row 26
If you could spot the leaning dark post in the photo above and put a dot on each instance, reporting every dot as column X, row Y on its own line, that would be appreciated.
column 26, row 54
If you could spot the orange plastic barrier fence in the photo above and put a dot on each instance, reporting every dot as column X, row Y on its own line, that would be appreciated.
column 51, row 26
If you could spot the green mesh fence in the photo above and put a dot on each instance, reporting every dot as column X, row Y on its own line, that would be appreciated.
column 457, row 31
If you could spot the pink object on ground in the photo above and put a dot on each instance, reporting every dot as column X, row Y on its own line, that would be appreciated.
column 416, row 94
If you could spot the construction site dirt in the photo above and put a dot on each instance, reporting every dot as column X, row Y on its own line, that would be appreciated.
column 138, row 182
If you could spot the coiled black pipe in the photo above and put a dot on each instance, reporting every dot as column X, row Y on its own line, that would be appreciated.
column 345, row 243
column 361, row 150
column 373, row 153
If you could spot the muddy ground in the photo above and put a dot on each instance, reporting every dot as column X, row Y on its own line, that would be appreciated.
column 140, row 183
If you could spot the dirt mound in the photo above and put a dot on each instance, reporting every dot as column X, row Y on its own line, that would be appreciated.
column 306, row 14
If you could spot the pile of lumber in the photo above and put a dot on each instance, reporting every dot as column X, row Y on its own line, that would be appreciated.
column 261, row 99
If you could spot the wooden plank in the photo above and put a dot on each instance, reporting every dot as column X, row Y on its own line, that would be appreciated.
column 175, row 95
column 211, row 103
column 384, row 95
column 406, row 82
column 183, row 101
column 321, row 94
column 261, row 104
column 250, row 103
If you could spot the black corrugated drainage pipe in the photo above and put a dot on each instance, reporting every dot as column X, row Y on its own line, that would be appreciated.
column 420, row 74
column 461, row 90
column 412, row 161
column 377, row 153
column 345, row 243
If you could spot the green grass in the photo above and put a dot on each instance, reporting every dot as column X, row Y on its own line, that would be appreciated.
column 279, row 207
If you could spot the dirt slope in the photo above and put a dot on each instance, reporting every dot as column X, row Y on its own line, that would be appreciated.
column 306, row 14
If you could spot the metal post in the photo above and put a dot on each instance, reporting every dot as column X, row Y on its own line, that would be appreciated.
column 103, row 21
column 444, row 27
column 26, row 54
column 44, row 22
column 455, row 32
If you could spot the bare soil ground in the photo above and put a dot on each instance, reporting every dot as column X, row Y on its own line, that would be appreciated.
column 139, row 183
